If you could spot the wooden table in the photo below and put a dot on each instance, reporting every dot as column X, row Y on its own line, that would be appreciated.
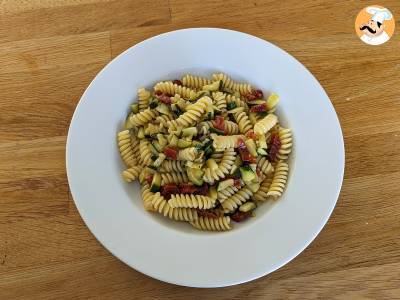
column 49, row 52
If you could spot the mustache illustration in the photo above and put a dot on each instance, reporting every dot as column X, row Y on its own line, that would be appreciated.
column 368, row 28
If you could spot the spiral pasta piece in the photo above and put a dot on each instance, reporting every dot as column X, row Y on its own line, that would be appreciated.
column 171, row 88
column 191, row 201
column 174, row 177
column 220, row 102
column 131, row 174
column 227, row 82
column 243, row 122
column 145, row 153
column 212, row 224
column 188, row 154
column 223, row 169
column 226, row 193
column 265, row 165
column 217, row 156
column 177, row 214
column 193, row 114
column 195, row 82
column 172, row 166
column 239, row 102
column 279, row 180
column 125, row 148
column 262, row 193
column 285, row 136
column 163, row 120
column 143, row 117
column 147, row 197
column 224, row 142
column 143, row 98
column 237, row 199
column 135, row 148
column 231, row 128
column 265, row 124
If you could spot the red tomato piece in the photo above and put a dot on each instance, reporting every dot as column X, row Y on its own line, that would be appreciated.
column 171, row 152
column 219, row 123
column 240, row 216
column 168, row 189
column 164, row 98
column 206, row 213
column 177, row 82
column 259, row 108
column 251, row 135
column 149, row 179
column 241, row 144
column 273, row 147
column 187, row 188
column 246, row 156
column 237, row 183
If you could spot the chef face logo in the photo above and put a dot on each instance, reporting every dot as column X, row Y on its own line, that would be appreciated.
column 375, row 25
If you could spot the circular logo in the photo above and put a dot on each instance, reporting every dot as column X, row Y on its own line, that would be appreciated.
column 375, row 25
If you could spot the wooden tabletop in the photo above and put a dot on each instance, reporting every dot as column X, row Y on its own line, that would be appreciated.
column 51, row 50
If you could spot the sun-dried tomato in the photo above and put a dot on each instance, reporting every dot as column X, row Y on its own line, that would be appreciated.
column 246, row 156
column 273, row 147
column 219, row 123
column 168, row 189
column 259, row 108
column 240, row 216
column 207, row 213
column 149, row 179
column 171, row 152
column 255, row 94
column 251, row 135
column 164, row 98
column 177, row 81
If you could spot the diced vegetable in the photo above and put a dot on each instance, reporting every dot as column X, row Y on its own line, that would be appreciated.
column 254, row 186
column 135, row 108
column 219, row 123
column 171, row 152
column 187, row 188
column 162, row 140
column 247, row 173
column 251, row 146
column 211, row 163
column 259, row 108
column 157, row 145
column 191, row 131
column 153, row 149
column 140, row 133
column 262, row 152
column 153, row 103
column 248, row 206
column 251, row 135
column 217, row 131
column 173, row 142
column 215, row 86
column 213, row 193
column 159, row 160
column 231, row 105
column 156, row 183
column 195, row 176
column 163, row 109
column 224, row 184
column 169, row 189
column 240, row 216
column 233, row 170
column 184, row 143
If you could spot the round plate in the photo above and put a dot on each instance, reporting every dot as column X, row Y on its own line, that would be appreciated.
column 175, row 252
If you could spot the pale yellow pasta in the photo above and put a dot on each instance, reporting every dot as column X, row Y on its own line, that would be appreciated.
column 243, row 122
column 143, row 117
column 147, row 197
column 143, row 98
column 135, row 142
column 262, row 193
column 174, row 177
column 231, row 203
column 191, row 201
column 195, row 82
column 231, row 128
column 265, row 165
column 188, row 154
column 171, row 88
column 145, row 153
column 224, row 167
column 279, row 180
column 172, row 166
column 220, row 102
column 239, row 102
column 265, row 124
column 221, row 142
column 177, row 214
column 217, row 156
column 212, row 224
column 131, row 174
column 226, row 193
column 125, row 148
column 227, row 82
column 285, row 136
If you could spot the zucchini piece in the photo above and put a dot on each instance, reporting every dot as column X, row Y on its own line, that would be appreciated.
column 233, row 170
column 162, row 140
column 254, row 186
column 153, row 103
column 193, row 165
column 195, row 176
column 213, row 87
column 191, row 131
column 225, row 184
column 251, row 146
column 157, row 145
column 135, row 108
column 183, row 143
column 237, row 173
column 153, row 149
column 247, row 173
column 262, row 152
column 231, row 105
column 159, row 160
column 209, row 150
column 272, row 101
column 162, row 108
column 217, row 131
column 253, row 167
column 213, row 193
column 140, row 133
column 212, row 164
column 173, row 142
column 156, row 183
column 248, row 206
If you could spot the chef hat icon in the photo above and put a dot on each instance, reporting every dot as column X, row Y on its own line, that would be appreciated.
column 379, row 14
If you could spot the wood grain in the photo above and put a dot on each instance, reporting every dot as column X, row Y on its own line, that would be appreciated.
column 49, row 53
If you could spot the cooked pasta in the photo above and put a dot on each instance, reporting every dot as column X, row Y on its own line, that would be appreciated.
column 195, row 82
column 125, row 148
column 205, row 150
column 212, row 224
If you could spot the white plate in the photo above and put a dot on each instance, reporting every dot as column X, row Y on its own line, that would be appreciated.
column 174, row 252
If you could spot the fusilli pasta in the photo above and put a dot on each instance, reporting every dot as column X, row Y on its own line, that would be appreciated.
column 279, row 180
column 192, row 201
column 195, row 82
column 212, row 224
column 227, row 82
column 125, row 148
